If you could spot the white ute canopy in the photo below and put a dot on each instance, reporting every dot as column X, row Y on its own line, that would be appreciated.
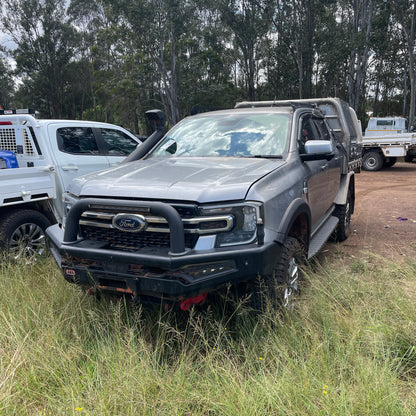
column 378, row 126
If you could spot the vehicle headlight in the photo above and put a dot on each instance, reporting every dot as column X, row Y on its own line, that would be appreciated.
column 69, row 200
column 246, row 217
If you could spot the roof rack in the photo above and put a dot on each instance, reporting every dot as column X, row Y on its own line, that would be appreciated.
column 295, row 105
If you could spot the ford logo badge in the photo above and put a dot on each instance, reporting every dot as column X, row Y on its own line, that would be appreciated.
column 133, row 223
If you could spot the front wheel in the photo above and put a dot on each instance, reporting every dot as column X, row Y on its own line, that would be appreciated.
column 372, row 161
column 281, row 287
column 22, row 234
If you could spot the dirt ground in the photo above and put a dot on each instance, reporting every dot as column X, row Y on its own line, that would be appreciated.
column 384, row 221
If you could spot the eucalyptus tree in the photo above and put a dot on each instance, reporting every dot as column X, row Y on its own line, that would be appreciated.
column 45, row 46
column 157, row 29
column 387, row 73
column 250, row 25
column 404, row 14
column 207, row 64
column 360, row 16
column 87, row 18
column 7, row 84
column 294, row 26
column 343, row 45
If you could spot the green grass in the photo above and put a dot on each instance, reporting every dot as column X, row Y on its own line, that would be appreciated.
column 349, row 348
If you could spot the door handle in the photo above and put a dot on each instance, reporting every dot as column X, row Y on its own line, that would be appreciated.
column 324, row 167
column 69, row 167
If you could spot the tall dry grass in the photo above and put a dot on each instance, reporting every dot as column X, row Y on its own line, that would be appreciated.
column 347, row 349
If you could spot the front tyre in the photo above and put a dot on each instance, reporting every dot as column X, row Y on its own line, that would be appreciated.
column 22, row 234
column 281, row 287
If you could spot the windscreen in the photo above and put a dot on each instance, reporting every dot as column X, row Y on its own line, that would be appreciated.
column 216, row 135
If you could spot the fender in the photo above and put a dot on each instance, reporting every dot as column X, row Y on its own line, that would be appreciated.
column 296, row 208
column 341, row 197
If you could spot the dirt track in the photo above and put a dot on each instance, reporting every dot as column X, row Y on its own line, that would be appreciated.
column 384, row 221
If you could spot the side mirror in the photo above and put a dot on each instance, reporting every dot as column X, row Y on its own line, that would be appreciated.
column 318, row 150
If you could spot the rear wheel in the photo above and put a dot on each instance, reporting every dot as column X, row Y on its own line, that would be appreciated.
column 389, row 162
column 22, row 234
column 343, row 213
column 372, row 161
column 281, row 287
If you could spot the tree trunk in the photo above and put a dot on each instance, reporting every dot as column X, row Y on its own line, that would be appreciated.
column 412, row 68
column 363, row 16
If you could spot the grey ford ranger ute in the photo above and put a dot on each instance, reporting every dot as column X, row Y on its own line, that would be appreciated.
column 223, row 197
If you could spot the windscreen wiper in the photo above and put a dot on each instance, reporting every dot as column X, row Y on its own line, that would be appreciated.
column 267, row 156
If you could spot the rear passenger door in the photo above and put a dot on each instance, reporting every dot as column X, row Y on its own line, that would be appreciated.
column 76, row 152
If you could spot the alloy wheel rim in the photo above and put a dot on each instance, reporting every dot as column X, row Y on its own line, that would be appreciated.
column 292, row 284
column 27, row 241
column 347, row 218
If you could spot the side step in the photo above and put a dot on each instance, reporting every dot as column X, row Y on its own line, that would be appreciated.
column 322, row 235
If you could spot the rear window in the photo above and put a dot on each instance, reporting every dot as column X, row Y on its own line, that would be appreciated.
column 385, row 122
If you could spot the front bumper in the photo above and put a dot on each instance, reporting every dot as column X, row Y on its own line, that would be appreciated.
column 158, row 272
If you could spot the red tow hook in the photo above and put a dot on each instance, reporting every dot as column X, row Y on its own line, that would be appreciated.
column 187, row 303
column 91, row 291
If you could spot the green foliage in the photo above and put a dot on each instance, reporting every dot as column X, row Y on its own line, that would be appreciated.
column 113, row 60
column 347, row 349
column 6, row 83
column 45, row 46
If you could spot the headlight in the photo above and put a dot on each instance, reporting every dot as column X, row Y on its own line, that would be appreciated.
column 69, row 200
column 246, row 217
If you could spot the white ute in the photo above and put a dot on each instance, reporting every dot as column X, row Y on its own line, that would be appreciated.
column 386, row 139
column 38, row 159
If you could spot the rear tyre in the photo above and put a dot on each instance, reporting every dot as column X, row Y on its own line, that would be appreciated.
column 281, row 287
column 372, row 161
column 389, row 162
column 22, row 234
column 343, row 213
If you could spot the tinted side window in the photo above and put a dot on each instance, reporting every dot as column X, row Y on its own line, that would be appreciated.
column 77, row 140
column 118, row 143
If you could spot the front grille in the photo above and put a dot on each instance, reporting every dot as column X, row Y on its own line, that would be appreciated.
column 97, row 225
column 130, row 242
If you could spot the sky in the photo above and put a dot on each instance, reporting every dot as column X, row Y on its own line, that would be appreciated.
column 8, row 43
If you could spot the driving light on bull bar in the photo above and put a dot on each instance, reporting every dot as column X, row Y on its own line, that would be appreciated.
column 209, row 269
